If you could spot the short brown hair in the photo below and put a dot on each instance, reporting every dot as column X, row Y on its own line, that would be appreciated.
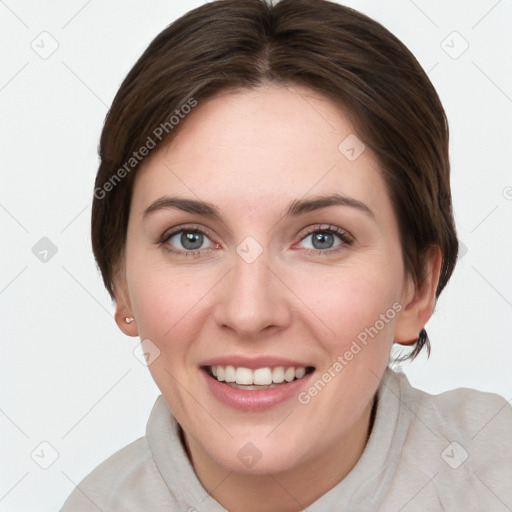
column 329, row 48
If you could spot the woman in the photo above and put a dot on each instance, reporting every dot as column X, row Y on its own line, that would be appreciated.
column 271, row 214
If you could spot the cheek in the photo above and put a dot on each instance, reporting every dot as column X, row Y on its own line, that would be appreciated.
column 353, row 303
column 163, row 301
column 166, row 304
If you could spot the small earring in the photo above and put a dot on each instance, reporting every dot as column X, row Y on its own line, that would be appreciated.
column 422, row 336
column 129, row 320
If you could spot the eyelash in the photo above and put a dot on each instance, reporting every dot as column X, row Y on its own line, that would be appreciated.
column 346, row 239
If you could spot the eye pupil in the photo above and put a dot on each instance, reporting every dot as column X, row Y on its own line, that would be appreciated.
column 325, row 240
column 193, row 238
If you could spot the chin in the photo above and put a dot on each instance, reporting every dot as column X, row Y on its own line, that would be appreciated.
column 253, row 455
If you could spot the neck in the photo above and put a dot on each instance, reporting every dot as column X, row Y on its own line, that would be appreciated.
column 287, row 491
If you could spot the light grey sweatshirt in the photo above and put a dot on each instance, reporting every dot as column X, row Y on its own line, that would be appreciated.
column 447, row 452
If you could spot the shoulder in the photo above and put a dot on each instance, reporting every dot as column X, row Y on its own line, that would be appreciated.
column 452, row 451
column 459, row 445
column 124, row 474
column 464, row 411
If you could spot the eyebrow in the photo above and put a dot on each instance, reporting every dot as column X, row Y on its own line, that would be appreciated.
column 295, row 208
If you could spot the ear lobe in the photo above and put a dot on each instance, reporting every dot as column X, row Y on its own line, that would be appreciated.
column 123, row 311
column 420, row 303
column 122, row 317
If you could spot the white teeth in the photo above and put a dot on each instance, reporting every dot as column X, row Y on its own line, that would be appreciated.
column 244, row 376
column 278, row 375
column 289, row 374
column 259, row 377
column 229, row 374
column 263, row 376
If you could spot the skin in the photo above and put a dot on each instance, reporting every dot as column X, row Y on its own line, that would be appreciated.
column 251, row 153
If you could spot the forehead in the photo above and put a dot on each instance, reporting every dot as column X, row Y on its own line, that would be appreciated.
column 262, row 147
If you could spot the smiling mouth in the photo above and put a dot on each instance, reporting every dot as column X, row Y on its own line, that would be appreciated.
column 258, row 379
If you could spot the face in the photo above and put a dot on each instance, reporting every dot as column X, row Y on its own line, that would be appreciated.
column 263, row 283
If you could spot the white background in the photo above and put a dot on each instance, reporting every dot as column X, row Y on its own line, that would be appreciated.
column 68, row 375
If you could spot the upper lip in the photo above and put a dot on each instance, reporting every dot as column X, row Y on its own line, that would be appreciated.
column 254, row 363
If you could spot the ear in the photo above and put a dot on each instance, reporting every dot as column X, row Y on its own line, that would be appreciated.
column 123, row 305
column 419, row 301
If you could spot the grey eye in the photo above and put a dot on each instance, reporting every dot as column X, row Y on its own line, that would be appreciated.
column 189, row 240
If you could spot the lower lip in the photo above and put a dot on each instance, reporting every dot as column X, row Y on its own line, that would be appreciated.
column 254, row 400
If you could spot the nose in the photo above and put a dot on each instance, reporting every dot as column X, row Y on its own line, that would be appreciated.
column 253, row 299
